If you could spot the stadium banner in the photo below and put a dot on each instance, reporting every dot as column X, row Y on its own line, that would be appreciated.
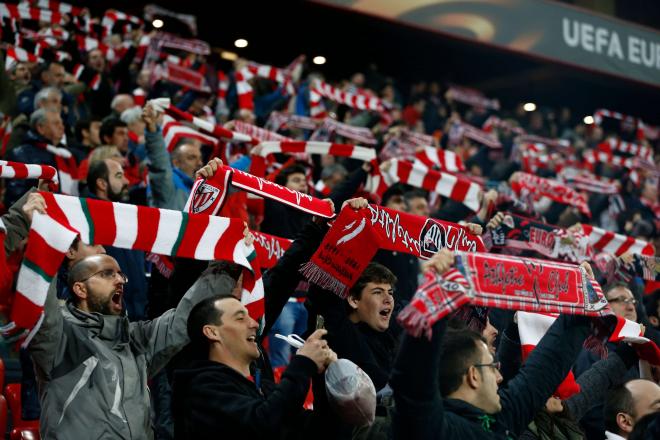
column 539, row 28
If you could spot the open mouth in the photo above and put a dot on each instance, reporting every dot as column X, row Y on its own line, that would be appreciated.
column 116, row 298
column 385, row 313
column 252, row 338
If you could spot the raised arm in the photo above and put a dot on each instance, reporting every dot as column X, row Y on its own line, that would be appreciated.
column 163, row 337
column 160, row 167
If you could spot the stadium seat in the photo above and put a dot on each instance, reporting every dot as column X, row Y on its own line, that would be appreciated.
column 13, row 396
column 24, row 434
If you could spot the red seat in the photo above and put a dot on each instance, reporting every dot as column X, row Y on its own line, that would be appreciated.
column 13, row 396
column 2, row 374
column 3, row 414
column 24, row 434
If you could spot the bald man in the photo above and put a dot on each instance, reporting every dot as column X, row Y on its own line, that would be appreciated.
column 93, row 364
column 626, row 404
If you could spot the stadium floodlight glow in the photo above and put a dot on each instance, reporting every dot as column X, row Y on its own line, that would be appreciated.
column 318, row 60
column 529, row 107
column 588, row 120
column 241, row 43
column 157, row 23
column 229, row 56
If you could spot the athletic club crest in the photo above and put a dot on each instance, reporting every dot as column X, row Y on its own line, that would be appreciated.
column 204, row 197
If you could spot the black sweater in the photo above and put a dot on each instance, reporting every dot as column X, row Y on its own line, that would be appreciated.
column 213, row 400
column 421, row 413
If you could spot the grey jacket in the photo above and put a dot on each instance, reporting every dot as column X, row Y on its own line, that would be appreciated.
column 93, row 369
column 165, row 194
column 16, row 223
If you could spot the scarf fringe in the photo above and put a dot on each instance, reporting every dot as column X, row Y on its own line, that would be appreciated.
column 316, row 275
column 415, row 322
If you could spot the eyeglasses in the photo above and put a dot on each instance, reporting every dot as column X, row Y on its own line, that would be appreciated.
column 108, row 274
column 495, row 365
column 632, row 301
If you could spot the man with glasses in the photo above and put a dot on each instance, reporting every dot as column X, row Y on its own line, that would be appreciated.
column 622, row 301
column 93, row 364
column 448, row 387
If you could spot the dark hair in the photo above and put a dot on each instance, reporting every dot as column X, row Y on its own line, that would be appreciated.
column 618, row 400
column 108, row 126
column 203, row 313
column 97, row 170
column 283, row 176
column 176, row 151
column 459, row 351
column 81, row 125
column 413, row 194
column 373, row 273
column 394, row 190
column 77, row 272
column 615, row 285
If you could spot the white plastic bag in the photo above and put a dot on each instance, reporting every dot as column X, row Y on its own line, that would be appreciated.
column 351, row 393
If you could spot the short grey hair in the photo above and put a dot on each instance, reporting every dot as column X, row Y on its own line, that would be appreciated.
column 118, row 98
column 331, row 170
column 43, row 94
column 131, row 115
column 38, row 117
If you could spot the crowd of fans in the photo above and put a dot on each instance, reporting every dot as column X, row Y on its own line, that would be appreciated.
column 133, row 345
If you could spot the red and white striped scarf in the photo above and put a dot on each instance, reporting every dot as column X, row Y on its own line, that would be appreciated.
column 449, row 185
column 87, row 75
column 477, row 135
column 182, row 76
column 616, row 244
column 591, row 157
column 504, row 282
column 360, row 100
column 585, row 181
column 244, row 75
column 18, row 170
column 471, row 97
column 278, row 121
column 632, row 333
column 551, row 189
column 174, row 131
column 559, row 144
column 212, row 129
column 358, row 152
column 643, row 129
column 641, row 151
column 160, row 231
column 258, row 134
column 330, row 127
column 25, row 12
column 495, row 122
column 221, row 93
column 445, row 160
column 61, row 7
column 17, row 55
column 532, row 327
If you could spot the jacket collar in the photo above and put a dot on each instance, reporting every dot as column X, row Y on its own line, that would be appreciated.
column 109, row 328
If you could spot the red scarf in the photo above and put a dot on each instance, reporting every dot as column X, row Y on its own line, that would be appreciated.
column 355, row 237
column 208, row 195
column 551, row 189
column 503, row 282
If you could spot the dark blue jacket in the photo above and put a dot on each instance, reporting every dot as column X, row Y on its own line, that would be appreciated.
column 27, row 152
column 421, row 413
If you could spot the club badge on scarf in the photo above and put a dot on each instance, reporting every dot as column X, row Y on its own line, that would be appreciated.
column 208, row 195
column 355, row 237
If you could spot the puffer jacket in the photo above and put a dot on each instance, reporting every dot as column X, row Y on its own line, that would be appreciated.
column 93, row 369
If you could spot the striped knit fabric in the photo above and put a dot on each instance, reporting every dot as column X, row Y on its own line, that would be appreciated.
column 164, row 232
column 344, row 150
column 552, row 189
column 25, row 12
column 449, row 185
column 217, row 131
column 174, row 131
column 444, row 160
column 616, row 244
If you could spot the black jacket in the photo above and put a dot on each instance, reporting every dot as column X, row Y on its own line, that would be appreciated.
column 212, row 400
column 421, row 413
column 27, row 152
